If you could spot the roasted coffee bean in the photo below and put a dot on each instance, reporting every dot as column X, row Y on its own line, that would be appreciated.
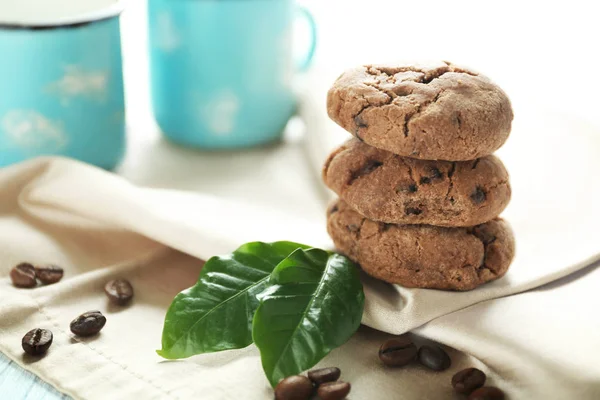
column 295, row 387
column 119, row 291
column 319, row 376
column 37, row 341
column 397, row 352
column 487, row 393
column 23, row 276
column 88, row 324
column 49, row 274
column 434, row 357
column 334, row 390
column 467, row 380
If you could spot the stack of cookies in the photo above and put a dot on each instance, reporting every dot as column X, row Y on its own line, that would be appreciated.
column 419, row 189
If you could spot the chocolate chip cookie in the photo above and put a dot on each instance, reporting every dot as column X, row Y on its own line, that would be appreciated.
column 386, row 187
column 437, row 111
column 423, row 256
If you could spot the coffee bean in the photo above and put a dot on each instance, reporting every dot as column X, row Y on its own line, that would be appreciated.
column 334, row 390
column 23, row 276
column 487, row 393
column 467, row 380
column 320, row 376
column 119, row 291
column 434, row 357
column 49, row 274
column 88, row 324
column 397, row 352
column 37, row 341
column 295, row 387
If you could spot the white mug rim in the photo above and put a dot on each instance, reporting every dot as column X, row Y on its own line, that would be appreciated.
column 108, row 12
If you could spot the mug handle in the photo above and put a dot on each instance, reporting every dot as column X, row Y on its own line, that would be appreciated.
column 307, row 15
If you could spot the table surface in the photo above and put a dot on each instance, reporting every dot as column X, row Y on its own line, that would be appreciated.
column 493, row 50
column 16, row 383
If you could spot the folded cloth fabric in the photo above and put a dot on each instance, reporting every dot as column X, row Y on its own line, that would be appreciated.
column 99, row 227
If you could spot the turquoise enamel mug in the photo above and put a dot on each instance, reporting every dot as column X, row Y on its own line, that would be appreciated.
column 61, row 82
column 221, row 70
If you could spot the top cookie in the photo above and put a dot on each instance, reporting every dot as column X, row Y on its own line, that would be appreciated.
column 437, row 111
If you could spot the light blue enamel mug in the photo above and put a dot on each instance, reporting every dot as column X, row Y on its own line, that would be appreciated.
column 221, row 70
column 61, row 82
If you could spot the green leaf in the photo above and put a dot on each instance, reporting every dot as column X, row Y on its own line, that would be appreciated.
column 314, row 305
column 216, row 314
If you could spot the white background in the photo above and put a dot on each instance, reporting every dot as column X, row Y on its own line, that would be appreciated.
column 546, row 50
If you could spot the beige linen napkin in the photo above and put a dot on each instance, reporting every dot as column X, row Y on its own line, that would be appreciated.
column 98, row 227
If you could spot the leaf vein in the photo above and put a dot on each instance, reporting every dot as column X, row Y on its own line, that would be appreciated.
column 309, row 305
column 218, row 306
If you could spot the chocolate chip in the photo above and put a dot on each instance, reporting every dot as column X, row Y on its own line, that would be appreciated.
column 386, row 227
column 360, row 122
column 478, row 196
column 367, row 168
column 397, row 352
column 49, row 274
column 119, row 291
column 413, row 211
column 476, row 163
column 37, row 341
column 487, row 393
column 333, row 209
column 88, row 324
column 370, row 166
column 23, row 276
column 295, row 387
column 428, row 78
column 467, row 380
column 404, row 188
column 434, row 357
column 483, row 235
column 334, row 390
column 433, row 174
column 353, row 227
column 323, row 375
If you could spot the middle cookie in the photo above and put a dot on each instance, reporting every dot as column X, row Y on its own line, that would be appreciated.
column 389, row 188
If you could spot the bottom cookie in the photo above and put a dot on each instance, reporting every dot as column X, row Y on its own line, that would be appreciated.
column 423, row 256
